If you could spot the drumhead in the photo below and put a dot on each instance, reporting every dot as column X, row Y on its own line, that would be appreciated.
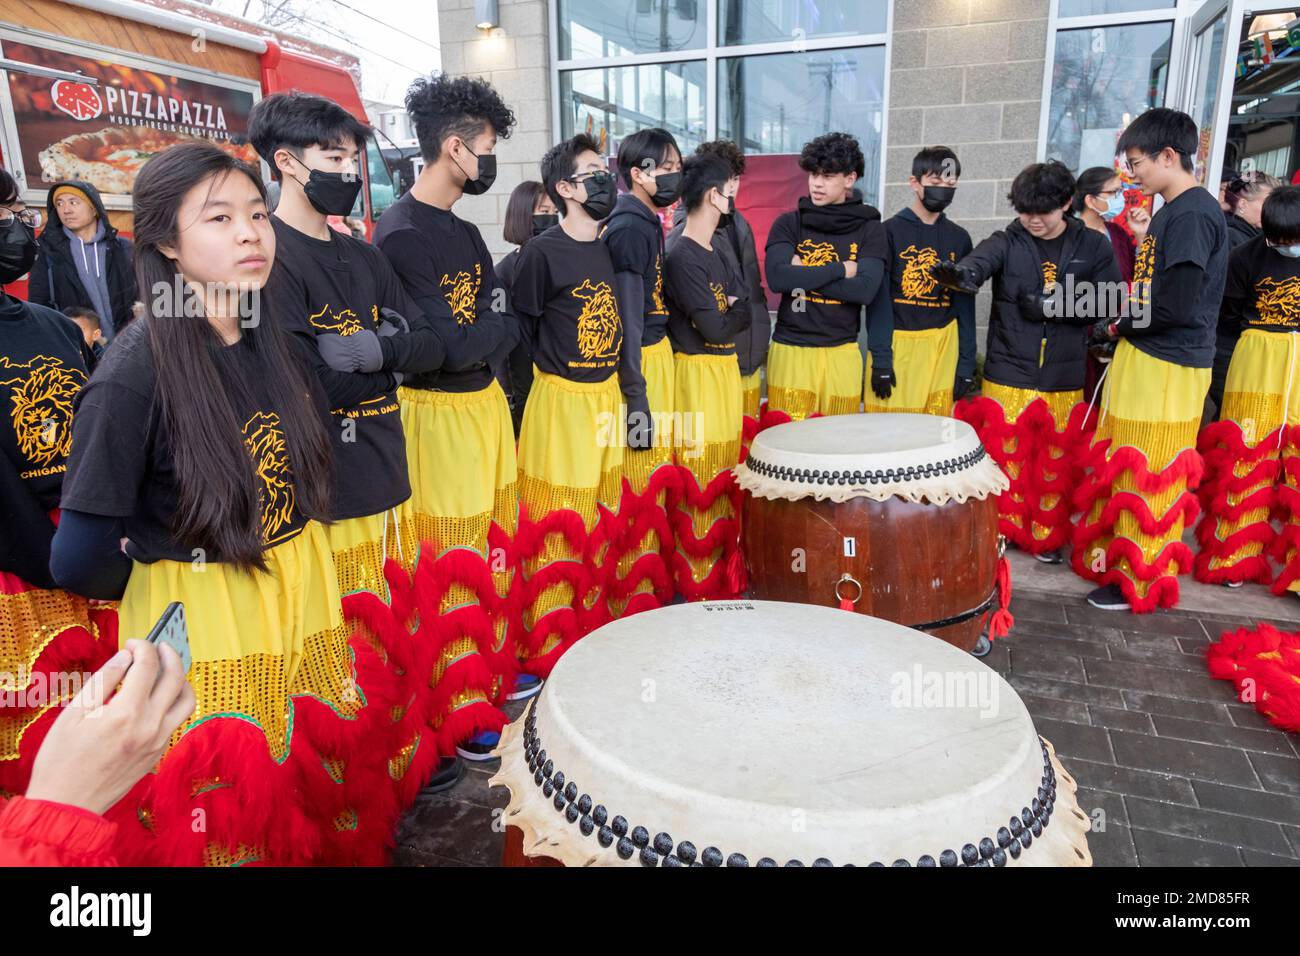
column 838, row 457
column 779, row 731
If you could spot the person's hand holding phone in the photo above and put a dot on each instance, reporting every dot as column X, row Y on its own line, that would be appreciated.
column 107, row 737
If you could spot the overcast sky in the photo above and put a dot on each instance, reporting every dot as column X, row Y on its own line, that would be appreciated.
column 394, row 39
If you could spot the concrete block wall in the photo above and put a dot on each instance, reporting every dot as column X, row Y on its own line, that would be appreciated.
column 966, row 74
column 515, row 60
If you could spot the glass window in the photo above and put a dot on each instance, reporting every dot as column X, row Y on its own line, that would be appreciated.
column 775, row 103
column 382, row 191
column 619, row 100
column 1207, row 60
column 591, row 29
column 1102, row 78
column 1088, row 8
column 765, row 21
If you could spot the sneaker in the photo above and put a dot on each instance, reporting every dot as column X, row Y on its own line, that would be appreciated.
column 1109, row 598
column 1050, row 557
column 1233, row 584
column 448, row 773
column 526, row 685
column 479, row 747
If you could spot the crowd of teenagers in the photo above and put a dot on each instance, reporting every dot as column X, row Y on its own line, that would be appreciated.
column 392, row 482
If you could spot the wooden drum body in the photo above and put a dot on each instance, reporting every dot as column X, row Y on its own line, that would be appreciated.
column 896, row 514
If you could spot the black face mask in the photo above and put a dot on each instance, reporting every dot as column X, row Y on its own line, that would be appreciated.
column 331, row 194
column 668, row 186
column 729, row 216
column 938, row 198
column 487, row 174
column 543, row 221
column 17, row 251
column 600, row 197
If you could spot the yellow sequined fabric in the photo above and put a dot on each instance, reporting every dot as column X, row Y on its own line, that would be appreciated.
column 752, row 393
column 803, row 381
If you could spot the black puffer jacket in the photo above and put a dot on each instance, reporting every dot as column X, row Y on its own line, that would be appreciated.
column 1015, row 354
column 54, row 281
column 741, row 253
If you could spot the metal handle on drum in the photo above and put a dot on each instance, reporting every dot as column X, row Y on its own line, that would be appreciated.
column 845, row 603
column 1002, row 546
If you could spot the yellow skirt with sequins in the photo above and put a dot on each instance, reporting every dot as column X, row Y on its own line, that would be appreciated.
column 925, row 365
column 804, row 381
column 258, row 639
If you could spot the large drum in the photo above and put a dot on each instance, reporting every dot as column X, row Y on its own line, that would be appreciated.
column 752, row 733
column 895, row 515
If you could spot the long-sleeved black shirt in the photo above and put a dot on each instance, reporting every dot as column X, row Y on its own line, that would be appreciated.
column 700, row 321
column 445, row 267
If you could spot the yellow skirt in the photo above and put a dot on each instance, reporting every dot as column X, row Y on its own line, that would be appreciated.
column 1137, row 496
column 257, row 639
column 925, row 365
column 710, row 402
column 363, row 545
column 751, row 386
column 1251, row 467
column 804, row 381
column 571, row 454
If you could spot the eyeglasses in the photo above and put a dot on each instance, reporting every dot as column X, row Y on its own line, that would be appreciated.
column 597, row 176
column 28, row 217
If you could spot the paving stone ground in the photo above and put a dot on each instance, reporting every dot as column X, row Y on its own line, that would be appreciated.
column 1172, row 767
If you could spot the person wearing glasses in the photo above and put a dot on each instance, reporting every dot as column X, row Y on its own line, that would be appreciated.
column 82, row 261
column 460, row 443
column 572, row 442
column 1099, row 203
column 1251, row 452
column 1144, row 465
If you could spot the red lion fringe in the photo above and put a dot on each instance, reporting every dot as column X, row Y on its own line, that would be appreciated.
column 771, row 417
column 219, row 785
column 1264, row 666
column 1163, row 589
column 1187, row 464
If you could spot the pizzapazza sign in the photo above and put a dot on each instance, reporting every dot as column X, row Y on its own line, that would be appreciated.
column 104, row 132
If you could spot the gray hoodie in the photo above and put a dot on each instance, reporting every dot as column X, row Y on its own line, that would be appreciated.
column 90, row 258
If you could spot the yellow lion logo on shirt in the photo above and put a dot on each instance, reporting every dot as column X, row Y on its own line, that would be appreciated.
column 343, row 323
column 1144, row 270
column 816, row 253
column 598, row 324
column 264, row 439
column 719, row 296
column 41, row 398
column 917, row 283
column 1278, row 302
column 461, row 292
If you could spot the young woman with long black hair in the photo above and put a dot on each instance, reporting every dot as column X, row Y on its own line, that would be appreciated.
column 199, row 468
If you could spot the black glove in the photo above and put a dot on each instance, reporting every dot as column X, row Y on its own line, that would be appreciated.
column 883, row 382
column 1099, row 333
column 962, row 386
column 1040, row 306
column 955, row 278
column 358, row 352
column 391, row 322
column 640, row 430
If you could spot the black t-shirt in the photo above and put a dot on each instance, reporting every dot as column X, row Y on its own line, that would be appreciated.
column 42, row 368
column 444, row 266
column 823, row 320
column 1050, row 250
column 121, row 465
column 636, row 244
column 563, row 290
column 1263, row 288
column 339, row 285
column 698, row 282
column 919, row 301
column 1189, row 229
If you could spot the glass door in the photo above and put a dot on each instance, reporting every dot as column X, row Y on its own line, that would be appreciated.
column 1206, row 92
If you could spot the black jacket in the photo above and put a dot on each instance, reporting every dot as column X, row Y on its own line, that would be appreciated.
column 1240, row 231
column 54, row 281
column 1012, row 259
column 740, row 251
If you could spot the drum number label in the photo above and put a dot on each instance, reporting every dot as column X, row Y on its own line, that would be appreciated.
column 850, row 547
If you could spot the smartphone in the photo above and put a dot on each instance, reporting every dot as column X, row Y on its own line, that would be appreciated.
column 170, row 629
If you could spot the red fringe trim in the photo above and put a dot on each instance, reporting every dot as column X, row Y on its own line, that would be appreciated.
column 1264, row 666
